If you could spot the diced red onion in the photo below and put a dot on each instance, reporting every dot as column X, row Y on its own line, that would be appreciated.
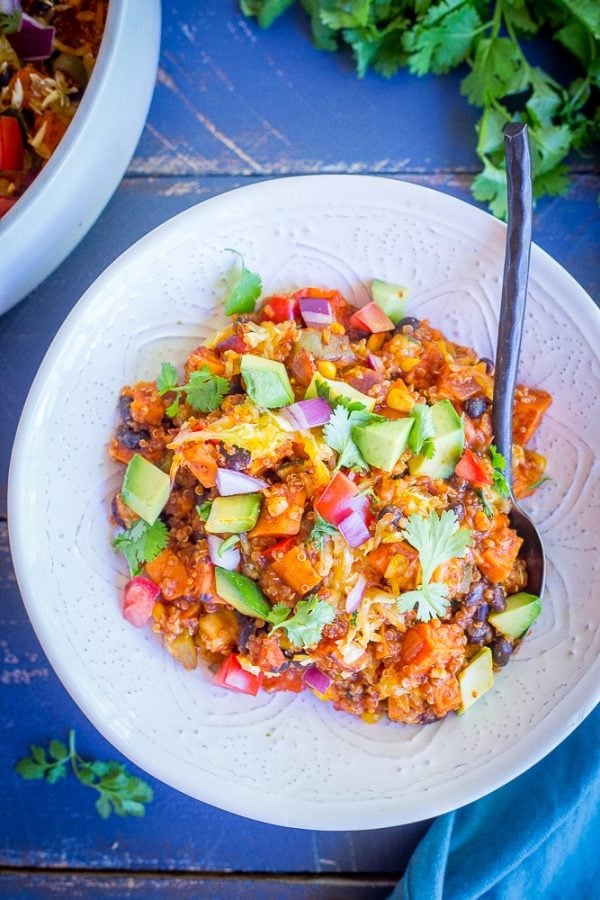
column 32, row 41
column 315, row 311
column 228, row 560
column 308, row 413
column 230, row 483
column 356, row 594
column 375, row 362
column 354, row 529
column 316, row 679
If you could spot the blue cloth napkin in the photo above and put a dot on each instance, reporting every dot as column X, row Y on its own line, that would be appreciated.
column 537, row 837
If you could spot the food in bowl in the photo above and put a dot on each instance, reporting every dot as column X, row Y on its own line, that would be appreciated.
column 318, row 504
column 47, row 53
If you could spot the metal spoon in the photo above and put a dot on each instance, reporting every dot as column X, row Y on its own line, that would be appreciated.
column 510, row 330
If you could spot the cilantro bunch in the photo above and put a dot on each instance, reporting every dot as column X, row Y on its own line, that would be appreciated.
column 490, row 37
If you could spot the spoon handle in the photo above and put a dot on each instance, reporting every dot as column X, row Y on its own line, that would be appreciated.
column 514, row 286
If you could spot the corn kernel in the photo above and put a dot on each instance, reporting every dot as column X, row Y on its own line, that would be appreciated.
column 408, row 362
column 337, row 328
column 376, row 341
column 326, row 368
column 400, row 398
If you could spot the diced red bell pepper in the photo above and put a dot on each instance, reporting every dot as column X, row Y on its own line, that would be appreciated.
column 471, row 468
column 281, row 546
column 138, row 602
column 11, row 144
column 231, row 675
column 340, row 498
column 371, row 318
column 6, row 203
column 281, row 309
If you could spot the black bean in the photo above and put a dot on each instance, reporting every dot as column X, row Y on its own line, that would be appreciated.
column 247, row 630
column 475, row 407
column 501, row 651
column 394, row 511
column 479, row 633
column 497, row 598
column 196, row 537
column 237, row 459
column 489, row 365
column 459, row 510
column 6, row 76
column 235, row 385
column 131, row 439
column 356, row 334
column 475, row 595
column 481, row 613
column 125, row 407
column 409, row 323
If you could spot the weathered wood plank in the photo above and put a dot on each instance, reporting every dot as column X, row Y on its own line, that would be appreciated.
column 33, row 886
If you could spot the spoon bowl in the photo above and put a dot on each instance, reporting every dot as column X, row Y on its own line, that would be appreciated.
column 510, row 331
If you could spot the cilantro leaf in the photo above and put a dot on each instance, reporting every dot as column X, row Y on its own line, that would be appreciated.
column 279, row 613
column 118, row 791
column 168, row 378
column 306, row 625
column 141, row 543
column 430, row 600
column 442, row 38
column 321, row 530
column 245, row 287
column 338, row 435
column 266, row 11
column 205, row 390
column 438, row 539
column 203, row 510
column 499, row 472
column 419, row 438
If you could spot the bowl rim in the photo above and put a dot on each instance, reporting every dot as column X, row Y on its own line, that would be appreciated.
column 556, row 727
column 31, row 215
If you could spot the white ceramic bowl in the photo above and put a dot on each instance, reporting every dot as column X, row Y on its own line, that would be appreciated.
column 290, row 759
column 73, row 188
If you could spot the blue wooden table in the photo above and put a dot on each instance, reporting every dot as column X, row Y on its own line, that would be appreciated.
column 232, row 105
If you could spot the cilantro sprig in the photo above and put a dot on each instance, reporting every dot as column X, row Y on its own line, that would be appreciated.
column 499, row 472
column 337, row 432
column 141, row 543
column 305, row 627
column 438, row 539
column 422, row 431
column 320, row 531
column 489, row 37
column 118, row 791
column 204, row 391
column 244, row 289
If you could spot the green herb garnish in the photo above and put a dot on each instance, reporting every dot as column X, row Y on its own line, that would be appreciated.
column 204, row 390
column 228, row 544
column 320, row 531
column 203, row 510
column 141, row 543
column 438, row 539
column 489, row 37
column 306, row 625
column 419, row 439
column 118, row 791
column 499, row 472
column 245, row 287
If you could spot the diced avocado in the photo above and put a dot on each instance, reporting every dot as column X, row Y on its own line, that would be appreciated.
column 243, row 593
column 145, row 489
column 390, row 298
column 233, row 515
column 520, row 613
column 266, row 381
column 382, row 443
column 448, row 442
column 476, row 678
column 338, row 389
